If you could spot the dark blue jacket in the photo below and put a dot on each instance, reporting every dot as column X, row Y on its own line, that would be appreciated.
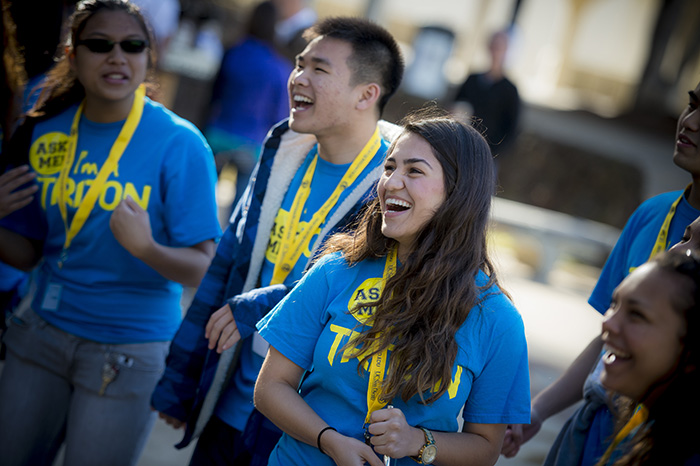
column 194, row 377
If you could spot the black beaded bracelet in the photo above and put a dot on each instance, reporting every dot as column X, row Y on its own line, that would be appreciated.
column 318, row 440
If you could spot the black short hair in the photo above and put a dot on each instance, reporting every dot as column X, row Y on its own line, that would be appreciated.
column 376, row 56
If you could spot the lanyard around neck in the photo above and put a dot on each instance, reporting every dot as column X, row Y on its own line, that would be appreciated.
column 640, row 416
column 293, row 241
column 88, row 203
column 377, row 365
column 662, row 238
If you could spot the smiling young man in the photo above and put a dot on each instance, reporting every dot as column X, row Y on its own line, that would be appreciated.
column 317, row 170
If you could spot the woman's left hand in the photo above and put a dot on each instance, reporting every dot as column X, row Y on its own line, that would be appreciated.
column 131, row 226
column 391, row 434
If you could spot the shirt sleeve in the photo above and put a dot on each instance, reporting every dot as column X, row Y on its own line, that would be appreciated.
column 500, row 394
column 295, row 324
column 189, row 194
column 615, row 268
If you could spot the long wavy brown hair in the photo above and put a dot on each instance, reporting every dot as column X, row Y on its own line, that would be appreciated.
column 429, row 298
column 669, row 437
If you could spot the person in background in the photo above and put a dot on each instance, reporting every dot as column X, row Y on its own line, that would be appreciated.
column 295, row 16
column 316, row 172
column 119, row 221
column 492, row 99
column 249, row 96
column 405, row 310
column 164, row 18
column 659, row 222
column 651, row 362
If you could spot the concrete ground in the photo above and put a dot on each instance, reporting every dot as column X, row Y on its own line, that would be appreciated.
column 558, row 322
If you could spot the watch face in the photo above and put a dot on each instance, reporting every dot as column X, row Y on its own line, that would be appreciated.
column 429, row 454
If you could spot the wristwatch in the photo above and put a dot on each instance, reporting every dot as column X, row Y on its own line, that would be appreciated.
column 428, row 452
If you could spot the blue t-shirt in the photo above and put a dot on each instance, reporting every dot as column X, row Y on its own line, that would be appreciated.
column 103, row 293
column 236, row 403
column 490, row 378
column 637, row 240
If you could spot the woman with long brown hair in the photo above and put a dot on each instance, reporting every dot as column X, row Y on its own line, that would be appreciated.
column 402, row 324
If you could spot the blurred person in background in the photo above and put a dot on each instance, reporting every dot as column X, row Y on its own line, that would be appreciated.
column 492, row 99
column 164, row 18
column 249, row 96
column 295, row 16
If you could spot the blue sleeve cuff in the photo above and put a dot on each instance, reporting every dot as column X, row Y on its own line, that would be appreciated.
column 248, row 308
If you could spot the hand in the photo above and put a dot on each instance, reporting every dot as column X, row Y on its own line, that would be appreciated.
column 391, row 434
column 171, row 421
column 9, row 181
column 518, row 434
column 221, row 330
column 348, row 451
column 131, row 226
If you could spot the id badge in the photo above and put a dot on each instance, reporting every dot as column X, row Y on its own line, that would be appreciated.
column 260, row 346
column 52, row 297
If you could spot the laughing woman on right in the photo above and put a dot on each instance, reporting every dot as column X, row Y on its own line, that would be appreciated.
column 651, row 335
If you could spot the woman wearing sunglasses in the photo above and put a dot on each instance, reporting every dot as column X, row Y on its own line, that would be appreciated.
column 123, row 215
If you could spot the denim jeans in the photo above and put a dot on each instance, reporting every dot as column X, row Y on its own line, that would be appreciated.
column 50, row 392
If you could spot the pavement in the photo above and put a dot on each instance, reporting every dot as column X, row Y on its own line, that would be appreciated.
column 558, row 323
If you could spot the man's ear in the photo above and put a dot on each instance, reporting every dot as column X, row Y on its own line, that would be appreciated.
column 369, row 96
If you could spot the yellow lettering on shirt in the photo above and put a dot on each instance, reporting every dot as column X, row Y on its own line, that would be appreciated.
column 81, row 157
column 277, row 233
column 46, row 154
column 46, row 157
column 112, row 193
column 340, row 332
column 454, row 384
column 368, row 292
column 141, row 199
column 89, row 168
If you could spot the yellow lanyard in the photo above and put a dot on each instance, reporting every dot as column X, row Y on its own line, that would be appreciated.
column 115, row 153
column 377, row 365
column 662, row 238
column 294, row 242
column 638, row 418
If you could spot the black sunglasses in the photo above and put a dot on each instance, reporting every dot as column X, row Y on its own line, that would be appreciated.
column 106, row 45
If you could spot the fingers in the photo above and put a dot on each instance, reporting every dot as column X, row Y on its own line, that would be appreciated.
column 19, row 199
column 13, row 179
column 230, row 336
column 171, row 421
column 221, row 330
column 132, row 204
column 372, row 459
column 513, row 440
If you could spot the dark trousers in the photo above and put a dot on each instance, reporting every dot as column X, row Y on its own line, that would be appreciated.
column 220, row 445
